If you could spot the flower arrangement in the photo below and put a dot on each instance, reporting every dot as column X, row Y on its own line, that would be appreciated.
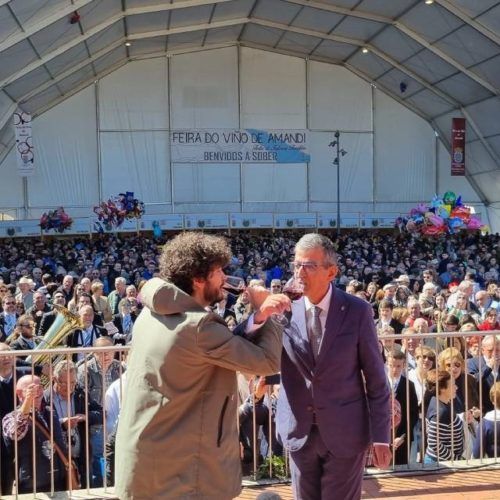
column 446, row 215
column 56, row 219
column 113, row 212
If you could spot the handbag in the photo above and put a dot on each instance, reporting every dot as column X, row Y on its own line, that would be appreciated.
column 72, row 474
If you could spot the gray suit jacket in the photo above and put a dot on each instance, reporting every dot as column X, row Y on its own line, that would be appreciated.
column 346, row 390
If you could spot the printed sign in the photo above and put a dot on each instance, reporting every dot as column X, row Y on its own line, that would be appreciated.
column 24, row 144
column 239, row 146
column 458, row 147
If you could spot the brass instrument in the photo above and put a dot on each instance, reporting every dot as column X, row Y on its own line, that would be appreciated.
column 64, row 323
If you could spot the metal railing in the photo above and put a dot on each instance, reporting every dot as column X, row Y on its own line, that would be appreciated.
column 261, row 455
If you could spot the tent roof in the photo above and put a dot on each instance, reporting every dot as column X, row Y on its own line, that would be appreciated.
column 446, row 55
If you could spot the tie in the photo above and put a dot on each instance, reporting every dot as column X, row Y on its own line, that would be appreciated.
column 316, row 331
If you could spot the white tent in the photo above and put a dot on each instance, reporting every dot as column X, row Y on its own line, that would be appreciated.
column 439, row 59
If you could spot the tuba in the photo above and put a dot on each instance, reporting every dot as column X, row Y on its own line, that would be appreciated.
column 63, row 325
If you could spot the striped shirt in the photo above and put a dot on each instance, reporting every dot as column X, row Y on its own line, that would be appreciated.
column 445, row 435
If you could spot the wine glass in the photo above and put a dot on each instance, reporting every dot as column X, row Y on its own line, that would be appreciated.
column 294, row 290
column 234, row 285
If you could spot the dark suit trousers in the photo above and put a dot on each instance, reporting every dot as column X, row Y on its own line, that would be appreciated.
column 318, row 475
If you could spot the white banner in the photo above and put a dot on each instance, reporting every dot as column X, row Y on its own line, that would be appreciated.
column 291, row 221
column 250, row 220
column 24, row 143
column 239, row 146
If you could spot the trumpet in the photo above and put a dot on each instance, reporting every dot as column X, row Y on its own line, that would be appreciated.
column 63, row 325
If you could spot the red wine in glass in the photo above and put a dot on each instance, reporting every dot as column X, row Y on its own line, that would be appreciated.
column 293, row 289
column 234, row 285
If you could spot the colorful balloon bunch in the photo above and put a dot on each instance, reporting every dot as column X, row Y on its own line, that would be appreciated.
column 443, row 215
column 113, row 212
column 56, row 219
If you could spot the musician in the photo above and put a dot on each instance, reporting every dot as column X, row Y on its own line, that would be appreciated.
column 49, row 317
column 86, row 336
column 8, row 317
column 18, row 426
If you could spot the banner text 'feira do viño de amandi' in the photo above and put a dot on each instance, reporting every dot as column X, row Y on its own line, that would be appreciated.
column 235, row 146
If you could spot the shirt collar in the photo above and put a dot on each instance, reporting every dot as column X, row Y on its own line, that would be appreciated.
column 323, row 304
column 6, row 380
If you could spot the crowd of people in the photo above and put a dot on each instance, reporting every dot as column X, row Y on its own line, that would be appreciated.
column 445, row 391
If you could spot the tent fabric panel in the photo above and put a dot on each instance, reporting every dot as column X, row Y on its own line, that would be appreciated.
column 279, row 182
column 204, row 90
column 128, row 101
column 356, row 168
column 65, row 142
column 338, row 99
column 136, row 161
column 404, row 163
column 273, row 90
column 206, row 183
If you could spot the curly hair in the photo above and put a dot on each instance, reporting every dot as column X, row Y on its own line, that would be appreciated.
column 192, row 255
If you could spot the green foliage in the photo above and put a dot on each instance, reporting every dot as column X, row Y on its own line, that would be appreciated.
column 278, row 468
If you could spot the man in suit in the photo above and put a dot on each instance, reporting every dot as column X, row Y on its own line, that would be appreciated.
column 177, row 434
column 385, row 317
column 25, row 340
column 486, row 368
column 8, row 317
column 49, row 317
column 124, row 321
column 403, row 390
column 86, row 336
column 334, row 398
column 73, row 417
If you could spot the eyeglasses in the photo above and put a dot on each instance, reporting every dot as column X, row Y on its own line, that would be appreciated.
column 307, row 266
column 456, row 365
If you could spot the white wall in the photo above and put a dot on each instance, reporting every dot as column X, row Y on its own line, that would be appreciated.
column 88, row 149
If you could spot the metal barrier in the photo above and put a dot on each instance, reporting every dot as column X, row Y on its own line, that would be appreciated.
column 86, row 418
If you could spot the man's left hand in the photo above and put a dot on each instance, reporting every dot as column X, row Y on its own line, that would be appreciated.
column 382, row 456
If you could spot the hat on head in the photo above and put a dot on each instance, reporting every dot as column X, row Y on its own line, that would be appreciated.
column 404, row 278
column 26, row 281
column 389, row 285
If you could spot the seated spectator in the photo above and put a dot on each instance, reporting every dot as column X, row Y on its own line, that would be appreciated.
column 23, row 338
column 49, row 317
column 276, row 286
column 385, row 318
column 487, row 438
column 124, row 322
column 490, row 321
column 38, row 309
column 86, row 336
column 100, row 302
column 8, row 317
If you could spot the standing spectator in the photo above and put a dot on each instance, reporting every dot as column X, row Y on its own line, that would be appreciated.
column 487, row 438
column 18, row 427
column 485, row 367
column 403, row 391
column 87, row 335
column 73, row 416
column 23, row 337
column 95, row 376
